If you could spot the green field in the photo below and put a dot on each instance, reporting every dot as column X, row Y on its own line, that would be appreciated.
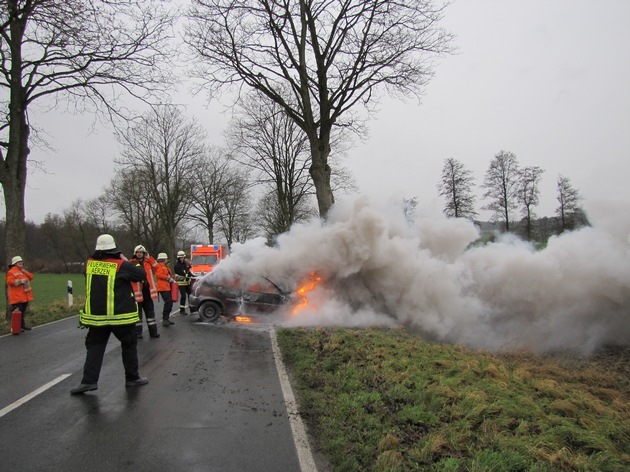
column 50, row 302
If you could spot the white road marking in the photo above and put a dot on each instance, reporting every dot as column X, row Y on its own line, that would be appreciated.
column 305, row 456
column 32, row 395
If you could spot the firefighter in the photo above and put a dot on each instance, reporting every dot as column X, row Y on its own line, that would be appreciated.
column 110, row 307
column 183, row 276
column 164, row 279
column 18, row 281
column 146, row 291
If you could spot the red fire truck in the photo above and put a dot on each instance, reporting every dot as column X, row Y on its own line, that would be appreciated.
column 203, row 257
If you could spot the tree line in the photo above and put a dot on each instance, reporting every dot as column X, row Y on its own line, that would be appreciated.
column 322, row 69
column 172, row 189
column 303, row 77
column 510, row 191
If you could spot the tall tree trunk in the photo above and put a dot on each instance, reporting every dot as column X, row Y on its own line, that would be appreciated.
column 13, row 169
column 13, row 179
column 320, row 173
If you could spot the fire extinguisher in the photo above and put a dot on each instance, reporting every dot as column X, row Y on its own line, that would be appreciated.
column 16, row 321
column 174, row 291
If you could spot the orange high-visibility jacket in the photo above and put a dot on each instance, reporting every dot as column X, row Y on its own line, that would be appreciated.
column 150, row 266
column 19, row 285
column 164, row 276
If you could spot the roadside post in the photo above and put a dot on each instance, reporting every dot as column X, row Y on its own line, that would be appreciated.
column 70, row 301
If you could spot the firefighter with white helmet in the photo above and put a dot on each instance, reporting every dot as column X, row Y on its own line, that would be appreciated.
column 164, row 278
column 183, row 276
column 19, row 292
column 146, row 291
column 110, row 307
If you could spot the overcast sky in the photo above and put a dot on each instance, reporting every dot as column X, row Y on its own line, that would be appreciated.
column 548, row 80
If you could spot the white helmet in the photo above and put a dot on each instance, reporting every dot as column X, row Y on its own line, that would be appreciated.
column 162, row 256
column 16, row 259
column 105, row 242
column 140, row 248
column 181, row 254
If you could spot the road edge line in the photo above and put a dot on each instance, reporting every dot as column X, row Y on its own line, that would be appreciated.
column 32, row 395
column 300, row 438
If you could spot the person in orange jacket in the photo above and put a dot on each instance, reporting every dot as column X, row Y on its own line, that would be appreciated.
column 164, row 277
column 146, row 291
column 18, row 281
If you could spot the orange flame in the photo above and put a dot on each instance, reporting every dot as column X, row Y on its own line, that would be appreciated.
column 303, row 291
column 243, row 319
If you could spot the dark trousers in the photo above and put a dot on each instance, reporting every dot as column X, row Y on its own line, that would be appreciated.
column 96, row 342
column 168, row 304
column 22, row 307
column 148, row 308
column 184, row 291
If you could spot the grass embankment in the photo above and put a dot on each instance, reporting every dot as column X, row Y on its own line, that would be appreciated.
column 384, row 400
column 50, row 302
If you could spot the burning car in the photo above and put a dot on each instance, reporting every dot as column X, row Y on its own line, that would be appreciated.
column 213, row 297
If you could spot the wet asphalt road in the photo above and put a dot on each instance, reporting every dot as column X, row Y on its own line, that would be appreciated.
column 214, row 403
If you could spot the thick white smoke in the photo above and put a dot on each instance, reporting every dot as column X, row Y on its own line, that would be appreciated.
column 377, row 269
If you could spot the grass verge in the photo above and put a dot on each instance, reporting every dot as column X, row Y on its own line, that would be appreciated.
column 384, row 400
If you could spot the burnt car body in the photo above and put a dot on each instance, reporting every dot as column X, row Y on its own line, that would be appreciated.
column 213, row 297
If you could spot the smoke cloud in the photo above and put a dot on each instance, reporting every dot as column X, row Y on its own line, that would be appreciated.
column 378, row 269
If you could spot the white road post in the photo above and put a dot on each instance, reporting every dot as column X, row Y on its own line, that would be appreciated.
column 70, row 293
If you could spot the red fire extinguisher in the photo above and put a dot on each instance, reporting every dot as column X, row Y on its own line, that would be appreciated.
column 174, row 291
column 16, row 321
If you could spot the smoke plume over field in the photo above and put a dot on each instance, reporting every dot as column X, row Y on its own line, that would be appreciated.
column 378, row 269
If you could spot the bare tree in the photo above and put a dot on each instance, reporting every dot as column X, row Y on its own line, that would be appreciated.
column 264, row 139
column 99, row 213
column 235, row 219
column 502, row 184
column 74, row 51
column 529, row 195
column 569, row 209
column 318, row 60
column 210, row 192
column 70, row 237
column 456, row 188
column 166, row 149
column 133, row 207
column 409, row 206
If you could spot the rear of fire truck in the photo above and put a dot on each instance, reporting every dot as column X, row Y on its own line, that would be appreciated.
column 203, row 257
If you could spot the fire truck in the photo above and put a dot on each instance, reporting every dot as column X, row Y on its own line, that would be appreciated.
column 203, row 257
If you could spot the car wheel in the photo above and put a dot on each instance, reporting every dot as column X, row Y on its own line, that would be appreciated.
column 210, row 312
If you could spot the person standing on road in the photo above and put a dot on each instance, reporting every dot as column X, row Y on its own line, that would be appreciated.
column 183, row 276
column 164, row 279
column 18, row 281
column 110, row 307
column 146, row 291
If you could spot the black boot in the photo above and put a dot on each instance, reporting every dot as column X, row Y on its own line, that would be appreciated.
column 153, row 332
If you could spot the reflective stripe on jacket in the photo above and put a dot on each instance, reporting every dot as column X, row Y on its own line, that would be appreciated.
column 19, row 285
column 182, row 269
column 108, row 296
column 149, row 264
